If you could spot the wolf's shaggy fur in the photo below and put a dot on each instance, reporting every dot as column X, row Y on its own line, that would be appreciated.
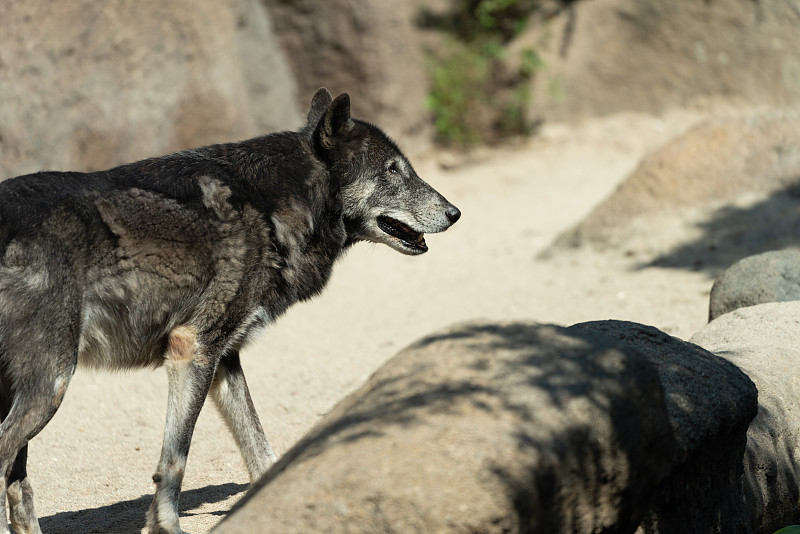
column 178, row 261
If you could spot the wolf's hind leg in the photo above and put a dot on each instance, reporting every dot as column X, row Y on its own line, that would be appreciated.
column 232, row 397
column 20, row 497
column 31, row 409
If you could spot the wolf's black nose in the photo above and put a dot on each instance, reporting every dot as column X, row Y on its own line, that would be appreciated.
column 453, row 213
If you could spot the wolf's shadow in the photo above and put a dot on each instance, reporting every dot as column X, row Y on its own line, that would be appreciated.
column 128, row 517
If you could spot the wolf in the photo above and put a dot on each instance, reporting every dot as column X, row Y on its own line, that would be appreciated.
column 178, row 261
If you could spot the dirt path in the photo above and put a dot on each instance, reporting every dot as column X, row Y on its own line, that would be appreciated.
column 91, row 466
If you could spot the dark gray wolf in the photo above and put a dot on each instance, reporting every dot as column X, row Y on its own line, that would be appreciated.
column 178, row 261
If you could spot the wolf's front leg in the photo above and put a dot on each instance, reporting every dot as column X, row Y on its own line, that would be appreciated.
column 190, row 374
column 232, row 397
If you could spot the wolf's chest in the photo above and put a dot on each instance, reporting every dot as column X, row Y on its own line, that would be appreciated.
column 308, row 248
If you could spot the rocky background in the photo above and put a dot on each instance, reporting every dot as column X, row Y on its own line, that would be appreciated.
column 87, row 85
column 665, row 157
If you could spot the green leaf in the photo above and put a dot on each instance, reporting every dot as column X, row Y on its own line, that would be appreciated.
column 531, row 62
column 793, row 529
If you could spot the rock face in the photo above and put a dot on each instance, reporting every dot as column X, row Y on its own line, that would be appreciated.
column 769, row 277
column 713, row 162
column 369, row 49
column 607, row 56
column 709, row 404
column 519, row 428
column 764, row 341
column 86, row 85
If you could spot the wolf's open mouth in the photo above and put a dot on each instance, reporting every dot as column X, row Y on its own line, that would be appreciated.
column 409, row 237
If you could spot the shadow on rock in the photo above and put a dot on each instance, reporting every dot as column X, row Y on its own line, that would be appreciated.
column 513, row 427
column 732, row 233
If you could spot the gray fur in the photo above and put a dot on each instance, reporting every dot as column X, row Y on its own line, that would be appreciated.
column 178, row 261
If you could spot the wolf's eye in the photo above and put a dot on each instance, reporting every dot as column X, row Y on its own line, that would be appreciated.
column 394, row 168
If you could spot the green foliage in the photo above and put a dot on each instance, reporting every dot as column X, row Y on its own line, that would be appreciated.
column 555, row 89
column 502, row 18
column 531, row 62
column 794, row 529
column 458, row 87
column 480, row 91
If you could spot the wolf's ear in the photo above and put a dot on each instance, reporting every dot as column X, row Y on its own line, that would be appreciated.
column 319, row 103
column 335, row 121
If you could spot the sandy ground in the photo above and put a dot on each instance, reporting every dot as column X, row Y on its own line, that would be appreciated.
column 91, row 467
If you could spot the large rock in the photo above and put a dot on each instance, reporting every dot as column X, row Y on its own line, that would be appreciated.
column 481, row 428
column 86, row 85
column 713, row 163
column 520, row 427
column 764, row 341
column 606, row 56
column 370, row 49
column 710, row 404
column 769, row 277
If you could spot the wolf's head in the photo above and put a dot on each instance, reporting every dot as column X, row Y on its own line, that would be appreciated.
column 384, row 200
